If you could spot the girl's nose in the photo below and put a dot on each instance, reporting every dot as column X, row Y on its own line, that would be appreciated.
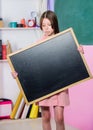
column 46, row 27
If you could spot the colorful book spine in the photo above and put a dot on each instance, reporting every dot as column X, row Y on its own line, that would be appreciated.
column 39, row 112
column 0, row 49
column 28, row 113
column 34, row 111
column 15, row 108
column 25, row 111
column 4, row 51
column 9, row 49
column 20, row 109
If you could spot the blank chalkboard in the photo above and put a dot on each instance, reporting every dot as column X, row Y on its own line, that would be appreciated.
column 48, row 67
column 78, row 15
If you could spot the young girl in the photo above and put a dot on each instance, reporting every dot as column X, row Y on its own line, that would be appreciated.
column 49, row 26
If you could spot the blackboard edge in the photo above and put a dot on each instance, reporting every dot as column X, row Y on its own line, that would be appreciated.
column 35, row 44
column 58, row 91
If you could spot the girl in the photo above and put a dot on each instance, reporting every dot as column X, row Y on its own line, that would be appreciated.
column 49, row 26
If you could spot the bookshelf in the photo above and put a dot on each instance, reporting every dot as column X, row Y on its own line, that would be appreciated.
column 11, row 29
column 18, row 37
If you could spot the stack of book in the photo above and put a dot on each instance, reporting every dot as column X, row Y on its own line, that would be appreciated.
column 4, row 50
column 21, row 110
column 0, row 49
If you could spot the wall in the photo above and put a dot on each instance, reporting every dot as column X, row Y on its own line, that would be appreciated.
column 78, row 16
column 8, row 86
column 15, row 10
column 80, row 111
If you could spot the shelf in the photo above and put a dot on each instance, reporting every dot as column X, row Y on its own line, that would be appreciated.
column 1, row 60
column 21, row 28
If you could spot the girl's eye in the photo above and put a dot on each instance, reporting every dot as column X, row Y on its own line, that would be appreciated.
column 49, row 25
column 46, row 25
column 43, row 25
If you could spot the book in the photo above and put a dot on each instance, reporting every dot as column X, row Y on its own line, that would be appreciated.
column 39, row 112
column 25, row 111
column 20, row 109
column 1, row 23
column 4, row 51
column 28, row 113
column 0, row 49
column 15, row 108
column 9, row 49
column 34, row 111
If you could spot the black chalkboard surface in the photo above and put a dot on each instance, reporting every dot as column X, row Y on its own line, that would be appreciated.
column 48, row 67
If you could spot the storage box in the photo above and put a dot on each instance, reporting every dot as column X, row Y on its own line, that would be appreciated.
column 5, row 108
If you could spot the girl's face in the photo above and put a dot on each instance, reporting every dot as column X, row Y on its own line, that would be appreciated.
column 47, row 28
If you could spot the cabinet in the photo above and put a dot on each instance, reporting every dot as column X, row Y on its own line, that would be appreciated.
column 12, row 10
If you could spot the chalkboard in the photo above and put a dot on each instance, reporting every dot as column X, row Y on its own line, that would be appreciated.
column 78, row 15
column 48, row 67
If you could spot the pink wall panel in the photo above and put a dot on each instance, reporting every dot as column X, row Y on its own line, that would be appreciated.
column 80, row 111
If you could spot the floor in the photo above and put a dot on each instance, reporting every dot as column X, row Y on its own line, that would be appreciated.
column 27, row 124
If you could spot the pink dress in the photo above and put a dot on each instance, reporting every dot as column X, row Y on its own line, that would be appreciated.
column 60, row 99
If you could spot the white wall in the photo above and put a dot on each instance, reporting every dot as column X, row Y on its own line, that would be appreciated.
column 20, row 38
column 15, row 10
column 8, row 86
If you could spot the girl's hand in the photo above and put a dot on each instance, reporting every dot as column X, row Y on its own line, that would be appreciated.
column 14, row 74
column 80, row 49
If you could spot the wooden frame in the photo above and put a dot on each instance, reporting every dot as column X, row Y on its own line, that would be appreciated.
column 49, row 67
